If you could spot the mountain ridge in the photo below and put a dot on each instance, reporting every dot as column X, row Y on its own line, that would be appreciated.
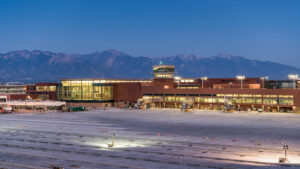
column 38, row 65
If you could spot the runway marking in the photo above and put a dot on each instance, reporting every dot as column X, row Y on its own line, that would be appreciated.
column 166, row 141
column 56, row 122
column 21, row 165
column 145, row 159
column 72, row 160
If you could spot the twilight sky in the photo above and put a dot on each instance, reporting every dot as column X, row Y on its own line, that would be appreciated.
column 256, row 29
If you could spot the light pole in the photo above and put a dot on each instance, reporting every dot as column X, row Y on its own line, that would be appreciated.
column 203, row 78
column 239, row 77
column 293, row 77
column 263, row 80
column 285, row 147
column 178, row 79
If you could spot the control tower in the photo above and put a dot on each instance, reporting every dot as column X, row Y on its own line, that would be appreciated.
column 162, row 71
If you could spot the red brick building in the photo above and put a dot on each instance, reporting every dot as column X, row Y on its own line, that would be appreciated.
column 167, row 91
column 13, row 92
column 41, row 91
column 38, row 91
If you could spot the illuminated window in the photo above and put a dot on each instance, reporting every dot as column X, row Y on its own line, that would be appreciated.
column 270, row 95
column 256, row 101
column 163, row 75
column 40, row 88
column 285, row 101
column 245, row 95
column 220, row 95
column 147, row 97
column 245, row 100
column 180, row 98
column 169, row 99
column 45, row 88
column 204, row 99
column 286, row 96
column 270, row 101
column 86, row 90
column 187, row 87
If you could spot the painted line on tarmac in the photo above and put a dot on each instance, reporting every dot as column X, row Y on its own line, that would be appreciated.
column 56, row 122
column 21, row 165
column 188, row 156
column 66, row 159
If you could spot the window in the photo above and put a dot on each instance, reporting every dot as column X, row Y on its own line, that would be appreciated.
column 85, row 90
column 187, row 87
column 163, row 70
column 245, row 95
column 204, row 99
column 147, row 97
column 180, row 99
column 169, row 99
column 270, row 95
column 40, row 88
column 52, row 88
column 218, row 100
column 42, row 96
column 286, row 96
column 285, row 101
column 163, row 75
column 256, row 101
column 270, row 101
column 46, row 88
column 220, row 95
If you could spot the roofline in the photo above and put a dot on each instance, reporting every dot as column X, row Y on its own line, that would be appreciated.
column 123, row 79
column 171, row 66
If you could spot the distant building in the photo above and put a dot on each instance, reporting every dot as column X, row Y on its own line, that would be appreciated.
column 41, row 91
column 13, row 92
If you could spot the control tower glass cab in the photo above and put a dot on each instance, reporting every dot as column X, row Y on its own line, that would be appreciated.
column 163, row 71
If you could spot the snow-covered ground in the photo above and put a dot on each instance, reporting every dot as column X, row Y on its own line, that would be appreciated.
column 149, row 139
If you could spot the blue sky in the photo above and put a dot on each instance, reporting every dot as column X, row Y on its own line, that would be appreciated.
column 256, row 29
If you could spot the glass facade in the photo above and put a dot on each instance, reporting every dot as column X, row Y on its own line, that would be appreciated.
column 163, row 70
column 86, row 90
column 286, row 100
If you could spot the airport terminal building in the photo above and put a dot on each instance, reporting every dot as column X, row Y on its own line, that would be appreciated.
column 165, row 90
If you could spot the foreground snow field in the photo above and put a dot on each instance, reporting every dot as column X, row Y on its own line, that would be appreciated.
column 149, row 139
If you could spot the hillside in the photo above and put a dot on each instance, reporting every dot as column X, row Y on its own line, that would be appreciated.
column 45, row 66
